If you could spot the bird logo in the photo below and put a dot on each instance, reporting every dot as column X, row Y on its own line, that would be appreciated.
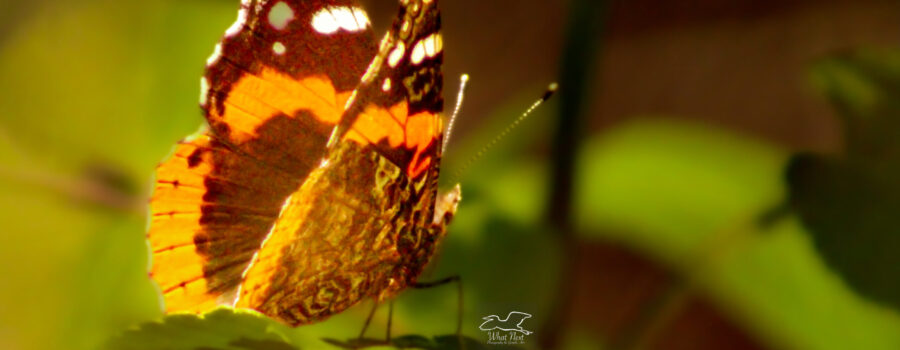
column 512, row 322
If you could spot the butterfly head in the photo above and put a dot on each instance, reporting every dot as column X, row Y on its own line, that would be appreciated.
column 446, row 205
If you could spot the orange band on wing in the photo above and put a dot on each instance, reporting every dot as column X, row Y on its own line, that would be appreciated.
column 200, row 234
column 376, row 123
column 190, row 297
column 256, row 98
column 421, row 130
column 398, row 129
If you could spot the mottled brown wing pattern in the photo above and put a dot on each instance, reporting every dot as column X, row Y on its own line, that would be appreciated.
column 338, row 240
column 273, row 90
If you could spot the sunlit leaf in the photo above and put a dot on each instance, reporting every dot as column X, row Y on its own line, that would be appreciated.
column 441, row 342
column 223, row 328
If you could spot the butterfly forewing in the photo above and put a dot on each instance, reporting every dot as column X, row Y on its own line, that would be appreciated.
column 273, row 90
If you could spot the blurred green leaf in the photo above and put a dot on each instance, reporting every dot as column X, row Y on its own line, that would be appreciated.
column 451, row 342
column 441, row 342
column 852, row 212
column 681, row 181
column 220, row 329
column 94, row 92
column 411, row 341
column 864, row 87
column 690, row 196
column 850, row 202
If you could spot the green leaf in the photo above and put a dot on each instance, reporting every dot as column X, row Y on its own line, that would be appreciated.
column 864, row 86
column 690, row 195
column 220, row 329
column 683, row 182
column 850, row 202
column 94, row 92
column 413, row 341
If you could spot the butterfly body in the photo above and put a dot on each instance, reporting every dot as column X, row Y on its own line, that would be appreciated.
column 315, row 184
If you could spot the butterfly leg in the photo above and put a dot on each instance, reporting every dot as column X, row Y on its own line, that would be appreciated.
column 459, row 303
column 387, row 337
column 368, row 320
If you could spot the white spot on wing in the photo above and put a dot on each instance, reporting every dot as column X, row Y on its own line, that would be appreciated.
column 345, row 19
column 217, row 53
column 330, row 19
column 278, row 48
column 418, row 53
column 438, row 43
column 204, row 90
column 387, row 85
column 396, row 54
column 323, row 22
column 239, row 23
column 405, row 28
column 280, row 15
column 362, row 20
column 433, row 44
column 429, row 45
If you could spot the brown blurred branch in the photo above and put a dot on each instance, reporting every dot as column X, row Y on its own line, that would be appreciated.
column 77, row 189
column 84, row 189
column 587, row 20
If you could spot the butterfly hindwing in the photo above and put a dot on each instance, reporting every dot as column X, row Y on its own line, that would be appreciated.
column 274, row 88
column 201, row 243
column 335, row 242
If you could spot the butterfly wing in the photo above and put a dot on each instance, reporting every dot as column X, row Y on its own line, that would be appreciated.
column 362, row 224
column 274, row 88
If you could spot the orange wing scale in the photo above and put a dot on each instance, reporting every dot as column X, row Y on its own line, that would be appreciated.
column 175, row 215
column 271, row 93
column 399, row 130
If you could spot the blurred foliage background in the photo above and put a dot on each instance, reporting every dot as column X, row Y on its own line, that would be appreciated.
column 713, row 175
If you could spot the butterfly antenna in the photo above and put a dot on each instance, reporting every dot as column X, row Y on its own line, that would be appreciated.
column 459, row 99
column 551, row 89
